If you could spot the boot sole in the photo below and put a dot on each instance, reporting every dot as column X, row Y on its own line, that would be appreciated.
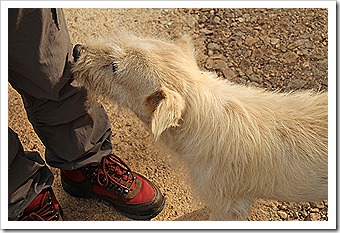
column 80, row 193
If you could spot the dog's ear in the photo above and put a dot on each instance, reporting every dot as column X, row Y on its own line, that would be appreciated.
column 166, row 107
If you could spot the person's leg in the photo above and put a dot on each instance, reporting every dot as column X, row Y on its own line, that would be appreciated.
column 39, row 57
column 28, row 176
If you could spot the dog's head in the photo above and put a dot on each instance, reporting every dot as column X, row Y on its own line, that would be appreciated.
column 149, row 76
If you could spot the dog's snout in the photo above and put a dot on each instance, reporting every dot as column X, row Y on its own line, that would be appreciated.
column 76, row 51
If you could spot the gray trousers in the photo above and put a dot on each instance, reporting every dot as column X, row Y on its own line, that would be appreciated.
column 39, row 57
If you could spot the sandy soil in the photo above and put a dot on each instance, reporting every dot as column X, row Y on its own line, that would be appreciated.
column 269, row 48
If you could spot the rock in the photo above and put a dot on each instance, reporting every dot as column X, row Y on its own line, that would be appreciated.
column 290, row 57
column 309, row 45
column 250, row 41
column 283, row 215
column 217, row 19
column 253, row 78
column 274, row 41
column 313, row 217
column 314, row 210
column 204, row 19
column 305, row 205
column 228, row 73
column 324, row 82
column 210, row 53
column 295, row 84
column 213, row 46
column 320, row 205
column 206, row 31
column 220, row 64
column 265, row 39
column 297, row 43
column 258, row 53
column 209, row 63
column 241, row 20
column 254, row 84
column 218, row 56
column 323, row 63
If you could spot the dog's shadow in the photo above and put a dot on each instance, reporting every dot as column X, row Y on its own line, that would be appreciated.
column 197, row 215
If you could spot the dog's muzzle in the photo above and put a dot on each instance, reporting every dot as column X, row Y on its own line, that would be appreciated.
column 76, row 52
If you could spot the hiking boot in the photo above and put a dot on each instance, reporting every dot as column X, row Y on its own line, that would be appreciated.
column 44, row 207
column 113, row 181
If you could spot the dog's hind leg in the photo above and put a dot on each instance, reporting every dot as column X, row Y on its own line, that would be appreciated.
column 232, row 210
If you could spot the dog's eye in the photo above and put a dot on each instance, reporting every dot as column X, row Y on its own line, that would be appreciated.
column 114, row 67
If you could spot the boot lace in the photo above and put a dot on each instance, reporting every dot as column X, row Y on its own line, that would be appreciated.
column 112, row 174
column 45, row 211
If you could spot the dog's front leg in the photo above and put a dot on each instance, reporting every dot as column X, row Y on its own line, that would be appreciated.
column 232, row 210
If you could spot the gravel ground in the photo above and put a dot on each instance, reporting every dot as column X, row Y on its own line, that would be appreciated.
column 276, row 49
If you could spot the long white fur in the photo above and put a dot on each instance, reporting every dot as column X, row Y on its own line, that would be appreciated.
column 239, row 143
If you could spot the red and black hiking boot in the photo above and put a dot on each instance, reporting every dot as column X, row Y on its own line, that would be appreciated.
column 113, row 181
column 44, row 207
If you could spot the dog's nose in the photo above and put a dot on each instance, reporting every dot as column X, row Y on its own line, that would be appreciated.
column 76, row 51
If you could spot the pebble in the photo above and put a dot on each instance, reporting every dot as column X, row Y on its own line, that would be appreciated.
column 283, row 214
column 213, row 46
column 210, row 53
column 220, row 64
column 204, row 19
column 290, row 57
column 274, row 41
column 314, row 210
column 240, row 19
column 228, row 73
column 323, row 63
column 297, row 43
column 206, row 31
column 250, row 41
column 217, row 19
column 253, row 78
column 313, row 217
column 320, row 205
column 209, row 63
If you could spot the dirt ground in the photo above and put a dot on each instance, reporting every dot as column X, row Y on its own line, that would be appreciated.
column 283, row 49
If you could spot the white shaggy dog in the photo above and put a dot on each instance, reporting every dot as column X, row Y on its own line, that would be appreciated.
column 239, row 143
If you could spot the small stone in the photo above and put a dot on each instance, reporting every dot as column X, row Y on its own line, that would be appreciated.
column 206, row 31
column 250, row 41
column 323, row 63
column 253, row 78
column 254, row 84
column 297, row 43
column 218, row 56
column 325, row 82
column 209, row 63
column 283, row 214
column 305, row 204
column 274, row 41
column 290, row 57
column 228, row 73
column 314, row 216
column 304, row 213
column 213, row 46
column 240, row 19
column 204, row 19
column 210, row 53
column 320, row 205
column 217, row 19
column 295, row 84
column 220, row 64
column 314, row 210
